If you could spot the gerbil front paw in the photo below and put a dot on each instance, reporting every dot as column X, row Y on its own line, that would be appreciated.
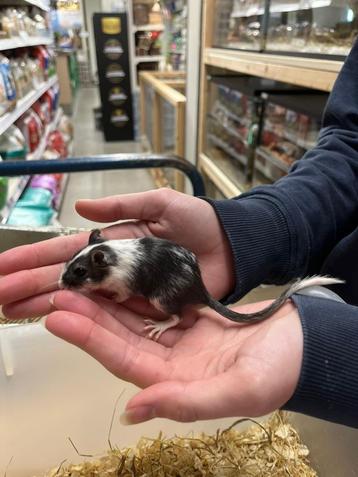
column 157, row 328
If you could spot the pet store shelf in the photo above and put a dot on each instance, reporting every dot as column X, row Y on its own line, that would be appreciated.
column 24, row 104
column 17, row 42
column 307, row 72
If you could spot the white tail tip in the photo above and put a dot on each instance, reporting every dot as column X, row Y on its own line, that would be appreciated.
column 314, row 281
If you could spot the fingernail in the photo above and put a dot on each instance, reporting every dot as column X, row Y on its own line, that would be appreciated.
column 137, row 415
column 52, row 299
column 43, row 321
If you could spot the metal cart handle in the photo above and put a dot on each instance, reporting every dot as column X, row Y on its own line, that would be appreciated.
column 102, row 163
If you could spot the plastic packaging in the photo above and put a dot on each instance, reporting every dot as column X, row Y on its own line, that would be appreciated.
column 57, row 143
column 35, row 197
column 66, row 128
column 9, row 88
column 32, row 128
column 12, row 145
column 46, row 181
column 30, row 216
column 4, row 187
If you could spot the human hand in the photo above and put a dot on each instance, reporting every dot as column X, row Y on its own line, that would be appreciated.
column 208, row 368
column 32, row 271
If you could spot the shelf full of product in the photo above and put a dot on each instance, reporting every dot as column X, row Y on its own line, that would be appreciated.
column 256, row 129
column 175, row 17
column 147, row 28
column 35, row 200
column 22, row 27
column 31, row 127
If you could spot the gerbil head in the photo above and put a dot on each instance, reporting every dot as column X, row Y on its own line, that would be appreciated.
column 91, row 266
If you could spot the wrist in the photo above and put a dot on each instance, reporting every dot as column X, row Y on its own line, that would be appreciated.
column 285, row 335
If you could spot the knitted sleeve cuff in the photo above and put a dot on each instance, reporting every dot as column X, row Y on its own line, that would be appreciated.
column 328, row 385
column 260, row 241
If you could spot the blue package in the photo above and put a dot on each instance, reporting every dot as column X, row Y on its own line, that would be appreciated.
column 35, row 197
column 30, row 216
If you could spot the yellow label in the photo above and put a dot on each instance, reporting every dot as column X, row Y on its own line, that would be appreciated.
column 111, row 25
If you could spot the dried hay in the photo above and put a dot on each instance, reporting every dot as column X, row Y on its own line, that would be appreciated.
column 270, row 449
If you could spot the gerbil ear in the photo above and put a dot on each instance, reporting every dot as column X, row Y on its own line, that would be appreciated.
column 95, row 237
column 99, row 258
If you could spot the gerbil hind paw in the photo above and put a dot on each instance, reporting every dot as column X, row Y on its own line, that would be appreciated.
column 156, row 328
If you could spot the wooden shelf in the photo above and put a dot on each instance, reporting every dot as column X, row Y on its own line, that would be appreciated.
column 306, row 72
column 227, row 187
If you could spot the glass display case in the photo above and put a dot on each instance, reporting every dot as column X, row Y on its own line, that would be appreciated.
column 310, row 27
column 290, row 127
column 326, row 27
column 231, row 117
column 233, row 121
column 239, row 24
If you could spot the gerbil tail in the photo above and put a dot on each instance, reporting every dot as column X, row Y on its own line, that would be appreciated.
column 276, row 304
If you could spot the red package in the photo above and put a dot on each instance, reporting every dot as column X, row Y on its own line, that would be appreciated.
column 41, row 54
column 58, row 177
column 42, row 110
column 48, row 98
column 57, row 143
column 30, row 126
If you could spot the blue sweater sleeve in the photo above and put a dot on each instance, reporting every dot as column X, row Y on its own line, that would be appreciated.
column 287, row 229
column 328, row 384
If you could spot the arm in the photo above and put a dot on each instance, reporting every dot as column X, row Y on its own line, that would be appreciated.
column 328, row 383
column 287, row 229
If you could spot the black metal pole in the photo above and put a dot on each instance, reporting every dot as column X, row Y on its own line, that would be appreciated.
column 102, row 163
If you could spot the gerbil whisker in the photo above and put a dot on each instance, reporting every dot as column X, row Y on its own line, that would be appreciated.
column 112, row 419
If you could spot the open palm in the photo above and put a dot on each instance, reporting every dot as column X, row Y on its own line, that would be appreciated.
column 206, row 369
column 32, row 271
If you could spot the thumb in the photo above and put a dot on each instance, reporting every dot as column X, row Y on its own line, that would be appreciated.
column 221, row 396
column 141, row 206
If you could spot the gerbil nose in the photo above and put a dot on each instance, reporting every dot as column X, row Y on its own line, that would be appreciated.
column 74, row 276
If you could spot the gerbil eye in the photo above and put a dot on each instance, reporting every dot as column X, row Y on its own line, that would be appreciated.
column 80, row 271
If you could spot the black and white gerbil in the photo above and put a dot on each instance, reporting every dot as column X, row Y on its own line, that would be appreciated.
column 165, row 273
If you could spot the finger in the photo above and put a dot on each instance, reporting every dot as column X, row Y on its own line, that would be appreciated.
column 27, row 283
column 43, row 253
column 224, row 395
column 33, row 307
column 103, row 314
column 133, row 320
column 112, row 351
column 144, row 206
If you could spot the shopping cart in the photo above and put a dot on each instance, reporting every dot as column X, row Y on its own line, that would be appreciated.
column 12, row 237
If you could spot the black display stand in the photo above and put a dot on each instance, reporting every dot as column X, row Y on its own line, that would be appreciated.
column 111, row 37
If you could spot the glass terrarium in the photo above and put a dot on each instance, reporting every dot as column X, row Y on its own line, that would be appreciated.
column 291, row 126
column 325, row 27
column 239, row 24
column 231, row 116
